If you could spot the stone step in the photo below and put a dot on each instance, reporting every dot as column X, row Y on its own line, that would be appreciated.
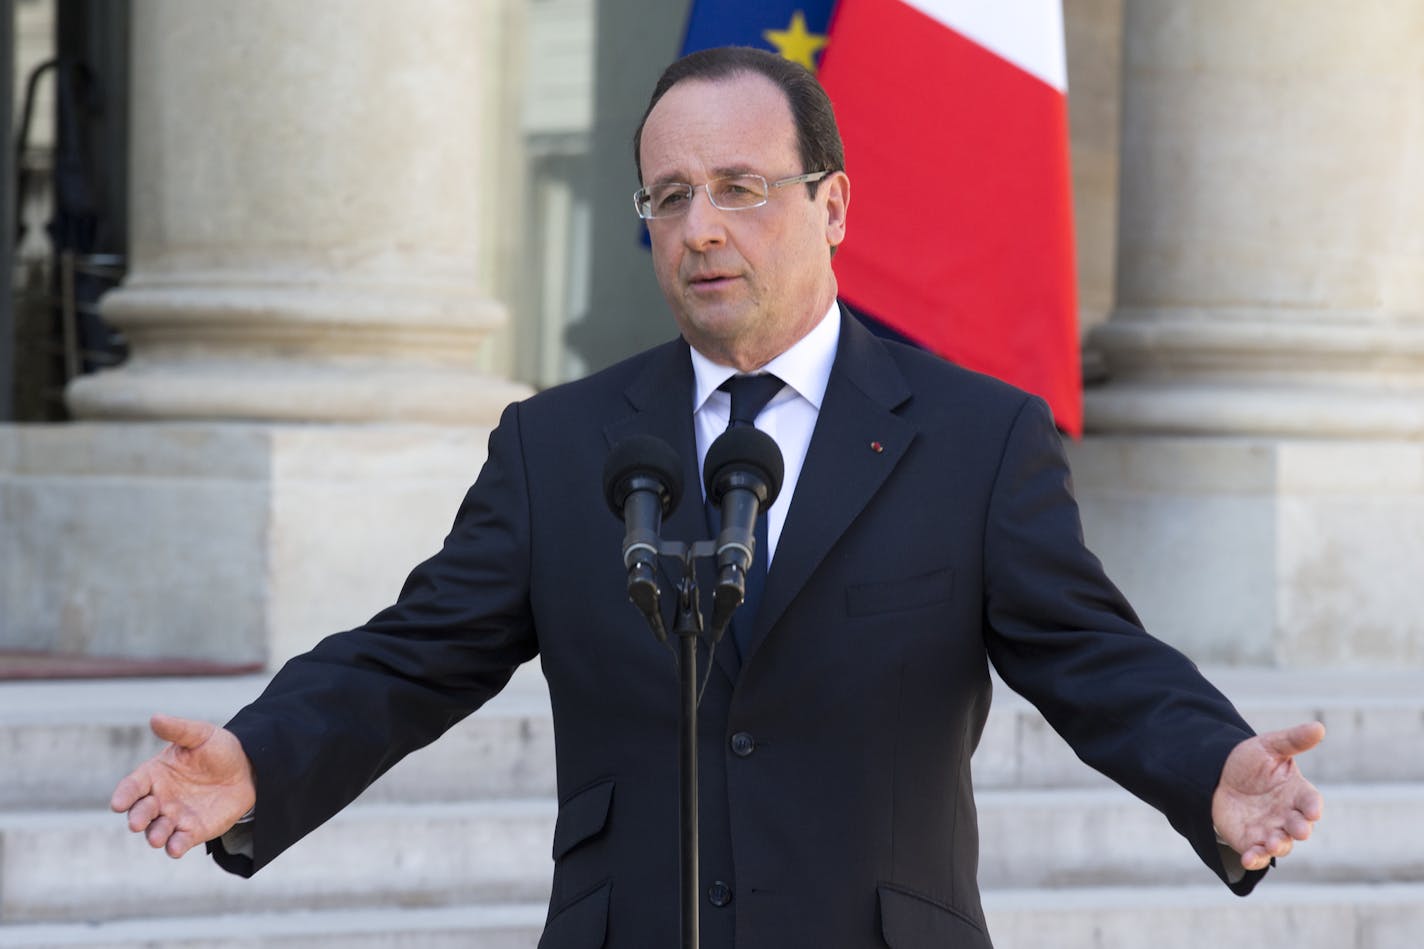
column 61, row 865
column 1374, row 723
column 64, row 865
column 506, row 926
column 1084, row 837
column 76, row 740
column 1276, row 916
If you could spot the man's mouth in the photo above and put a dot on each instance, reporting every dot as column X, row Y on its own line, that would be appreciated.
column 711, row 281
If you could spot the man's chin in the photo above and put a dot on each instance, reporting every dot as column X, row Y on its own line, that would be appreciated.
column 715, row 335
column 724, row 316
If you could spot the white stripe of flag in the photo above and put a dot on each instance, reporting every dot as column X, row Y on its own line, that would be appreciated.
column 1027, row 33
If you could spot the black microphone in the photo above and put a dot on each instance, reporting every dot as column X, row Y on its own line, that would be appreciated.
column 642, row 482
column 743, row 475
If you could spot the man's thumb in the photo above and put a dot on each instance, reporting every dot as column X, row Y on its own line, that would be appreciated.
column 183, row 732
column 1292, row 741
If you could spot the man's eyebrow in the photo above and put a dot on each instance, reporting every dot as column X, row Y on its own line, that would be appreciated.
column 671, row 178
column 721, row 171
column 726, row 171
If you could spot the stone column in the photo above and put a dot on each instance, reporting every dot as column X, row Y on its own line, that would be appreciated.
column 306, row 200
column 1271, row 255
column 1270, row 308
column 305, row 211
column 1093, row 37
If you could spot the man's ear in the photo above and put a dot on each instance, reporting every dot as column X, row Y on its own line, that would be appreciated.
column 836, row 188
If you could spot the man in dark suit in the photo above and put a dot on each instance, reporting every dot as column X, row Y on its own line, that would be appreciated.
column 926, row 528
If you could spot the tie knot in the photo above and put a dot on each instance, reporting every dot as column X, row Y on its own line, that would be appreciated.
column 750, row 394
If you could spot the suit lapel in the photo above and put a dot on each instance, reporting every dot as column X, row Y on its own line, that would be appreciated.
column 844, row 468
column 661, row 399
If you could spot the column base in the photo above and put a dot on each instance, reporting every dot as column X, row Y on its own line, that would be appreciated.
column 1300, row 411
column 226, row 543
column 1259, row 371
column 290, row 391
column 1278, row 552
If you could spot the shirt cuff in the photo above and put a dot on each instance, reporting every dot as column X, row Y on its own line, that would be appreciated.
column 1230, row 860
column 238, row 840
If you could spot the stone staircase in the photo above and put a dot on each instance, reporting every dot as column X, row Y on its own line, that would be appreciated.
column 452, row 847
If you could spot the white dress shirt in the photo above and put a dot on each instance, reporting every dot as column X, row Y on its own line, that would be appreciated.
column 789, row 418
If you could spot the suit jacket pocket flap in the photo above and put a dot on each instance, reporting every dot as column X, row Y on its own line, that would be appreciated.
column 581, row 924
column 911, row 921
column 904, row 593
column 582, row 816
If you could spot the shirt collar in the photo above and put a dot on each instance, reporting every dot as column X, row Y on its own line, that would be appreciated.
column 805, row 367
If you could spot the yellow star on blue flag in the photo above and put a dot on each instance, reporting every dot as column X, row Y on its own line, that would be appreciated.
column 795, row 42
column 795, row 29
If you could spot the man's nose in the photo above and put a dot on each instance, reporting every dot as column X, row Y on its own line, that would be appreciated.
column 704, row 224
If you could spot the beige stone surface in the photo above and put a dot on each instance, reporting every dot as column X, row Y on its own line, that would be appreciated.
column 227, row 542
column 1273, row 160
column 351, row 513
column 1270, row 268
column 306, row 199
column 1093, row 38
column 1294, row 553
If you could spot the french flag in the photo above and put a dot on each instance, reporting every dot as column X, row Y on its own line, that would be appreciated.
column 955, row 120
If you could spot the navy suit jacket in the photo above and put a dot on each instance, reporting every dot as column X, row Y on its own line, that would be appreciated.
column 837, row 807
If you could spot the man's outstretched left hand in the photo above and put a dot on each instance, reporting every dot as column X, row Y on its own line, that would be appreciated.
column 1263, row 804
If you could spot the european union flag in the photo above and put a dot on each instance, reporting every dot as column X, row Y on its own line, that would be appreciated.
column 794, row 28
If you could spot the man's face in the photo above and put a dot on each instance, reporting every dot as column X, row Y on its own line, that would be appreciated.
column 743, row 285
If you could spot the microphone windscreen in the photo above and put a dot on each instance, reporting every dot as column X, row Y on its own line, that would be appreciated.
column 646, row 456
column 744, row 449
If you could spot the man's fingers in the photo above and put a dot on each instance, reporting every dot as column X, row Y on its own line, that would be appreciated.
column 1255, row 858
column 129, row 790
column 179, row 844
column 1311, row 803
column 183, row 732
column 1290, row 742
column 142, row 814
column 1299, row 827
column 159, row 832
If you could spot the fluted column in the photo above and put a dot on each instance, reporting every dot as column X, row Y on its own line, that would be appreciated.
column 1271, row 256
column 305, row 210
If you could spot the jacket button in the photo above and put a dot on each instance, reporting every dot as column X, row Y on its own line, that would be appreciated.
column 719, row 894
column 743, row 744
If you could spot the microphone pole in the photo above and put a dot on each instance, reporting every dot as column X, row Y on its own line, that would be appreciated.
column 688, row 630
column 642, row 482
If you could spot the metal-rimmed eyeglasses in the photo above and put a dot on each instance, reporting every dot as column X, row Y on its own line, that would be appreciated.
column 729, row 193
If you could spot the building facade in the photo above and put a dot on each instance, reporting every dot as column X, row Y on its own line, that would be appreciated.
column 356, row 230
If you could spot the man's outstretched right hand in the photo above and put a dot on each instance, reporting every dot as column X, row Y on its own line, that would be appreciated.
column 191, row 791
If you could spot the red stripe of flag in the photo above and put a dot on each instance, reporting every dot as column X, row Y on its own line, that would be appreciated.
column 960, row 229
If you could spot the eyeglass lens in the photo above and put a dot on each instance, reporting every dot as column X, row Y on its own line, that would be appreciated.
column 732, row 193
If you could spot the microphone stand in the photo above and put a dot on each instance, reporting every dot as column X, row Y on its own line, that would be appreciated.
column 641, row 482
column 688, row 630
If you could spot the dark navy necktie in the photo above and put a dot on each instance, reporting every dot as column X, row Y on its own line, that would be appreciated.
column 750, row 394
